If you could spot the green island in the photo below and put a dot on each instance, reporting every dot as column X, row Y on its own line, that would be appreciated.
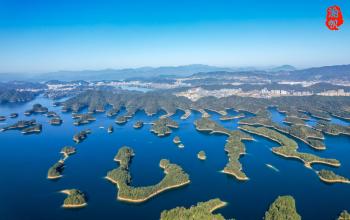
column 177, row 140
column 75, row 199
column 329, row 176
column 56, row 121
column 19, row 125
column 162, row 126
column 33, row 129
column 37, row 108
column 67, row 151
column 201, row 211
column 344, row 215
column 82, row 135
column 83, row 119
column 121, row 120
column 138, row 124
column 174, row 177
column 332, row 129
column 283, row 208
column 112, row 112
column 201, row 155
column 14, row 115
column 55, row 172
column 231, row 117
column 51, row 114
column 288, row 148
column 110, row 129
column 235, row 148
column 308, row 135
column 234, row 145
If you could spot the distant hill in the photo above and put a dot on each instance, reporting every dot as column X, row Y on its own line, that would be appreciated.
column 339, row 72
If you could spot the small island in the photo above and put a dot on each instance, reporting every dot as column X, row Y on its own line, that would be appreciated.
column 13, row 115
column 181, row 145
column 110, row 129
column 344, row 215
column 37, row 108
column 138, row 124
column 162, row 126
column 82, row 135
column 83, row 119
column 20, row 125
column 282, row 208
column 177, row 140
column 329, row 176
column 33, row 129
column 56, row 121
column 51, row 114
column 2, row 118
column 203, row 210
column 201, row 155
column 121, row 120
column 67, row 151
column 174, row 177
column 55, row 172
column 186, row 114
column 75, row 199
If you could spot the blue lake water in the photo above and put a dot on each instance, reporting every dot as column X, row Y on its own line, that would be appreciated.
column 26, row 193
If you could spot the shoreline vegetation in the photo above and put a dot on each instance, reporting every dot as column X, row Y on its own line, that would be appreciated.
column 75, row 199
column 82, row 135
column 234, row 146
column 329, row 176
column 174, row 177
column 288, row 148
column 162, row 126
column 55, row 172
column 282, row 208
column 203, row 210
column 231, row 117
column 138, row 124
column 306, row 134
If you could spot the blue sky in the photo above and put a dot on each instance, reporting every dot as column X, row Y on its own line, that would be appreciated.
column 47, row 35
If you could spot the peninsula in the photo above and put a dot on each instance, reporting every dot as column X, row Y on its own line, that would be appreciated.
column 288, row 148
column 162, row 126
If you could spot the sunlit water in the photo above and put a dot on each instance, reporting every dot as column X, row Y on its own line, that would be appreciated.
column 26, row 193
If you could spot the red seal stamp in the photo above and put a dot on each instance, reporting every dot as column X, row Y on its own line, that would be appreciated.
column 334, row 18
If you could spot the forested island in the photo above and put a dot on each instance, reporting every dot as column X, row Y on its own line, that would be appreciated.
column 176, row 140
column 288, row 148
column 81, row 119
column 55, row 172
column 234, row 145
column 20, row 125
column 138, row 124
column 75, row 199
column 201, row 211
column 82, row 135
column 174, row 177
column 329, row 176
column 33, row 129
column 162, row 126
column 282, row 208
column 56, row 121
column 344, row 215
column 37, row 108
column 121, row 120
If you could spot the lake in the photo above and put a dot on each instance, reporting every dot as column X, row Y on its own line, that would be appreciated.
column 25, row 159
